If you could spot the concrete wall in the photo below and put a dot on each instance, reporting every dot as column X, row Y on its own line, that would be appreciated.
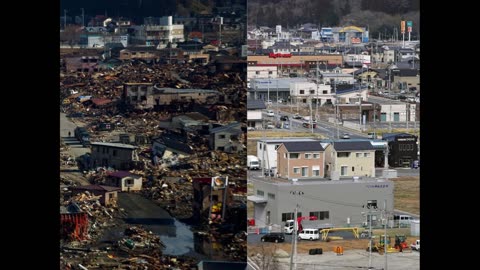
column 254, row 115
column 285, row 166
column 357, row 166
column 343, row 199
column 391, row 109
column 118, row 158
column 136, row 186
column 263, row 72
column 270, row 154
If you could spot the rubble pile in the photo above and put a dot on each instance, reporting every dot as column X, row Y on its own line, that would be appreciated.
column 140, row 241
column 100, row 217
column 176, row 198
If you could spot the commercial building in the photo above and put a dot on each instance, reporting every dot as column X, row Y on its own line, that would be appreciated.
column 341, row 203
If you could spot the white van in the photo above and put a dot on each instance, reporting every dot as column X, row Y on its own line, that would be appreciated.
column 309, row 234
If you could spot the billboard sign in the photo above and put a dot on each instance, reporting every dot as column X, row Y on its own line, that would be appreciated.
column 409, row 26
column 279, row 55
column 402, row 27
column 219, row 182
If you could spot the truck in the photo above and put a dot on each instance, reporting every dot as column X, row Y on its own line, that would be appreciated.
column 416, row 245
column 310, row 222
column 82, row 135
column 253, row 163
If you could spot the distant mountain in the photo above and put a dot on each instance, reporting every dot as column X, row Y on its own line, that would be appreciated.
column 379, row 15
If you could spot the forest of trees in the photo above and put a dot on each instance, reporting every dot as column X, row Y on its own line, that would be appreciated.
column 380, row 16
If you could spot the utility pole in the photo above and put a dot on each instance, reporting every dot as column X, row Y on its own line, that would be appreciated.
column 83, row 17
column 370, row 233
column 294, row 238
column 293, row 263
column 385, row 226
column 268, row 89
column 64, row 19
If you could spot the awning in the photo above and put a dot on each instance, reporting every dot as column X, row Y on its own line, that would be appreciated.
column 256, row 199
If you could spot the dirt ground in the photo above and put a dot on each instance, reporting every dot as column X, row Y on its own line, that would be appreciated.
column 407, row 194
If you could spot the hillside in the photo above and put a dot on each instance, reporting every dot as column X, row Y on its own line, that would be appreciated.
column 379, row 15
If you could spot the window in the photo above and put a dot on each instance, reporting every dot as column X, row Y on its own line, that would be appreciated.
column 372, row 204
column 221, row 148
column 304, row 171
column 325, row 92
column 276, row 146
column 114, row 153
column 271, row 196
column 308, row 156
column 260, row 146
column 296, row 170
column 312, row 91
column 343, row 154
column 358, row 154
column 343, row 170
column 221, row 136
column 316, row 156
column 270, row 72
column 257, row 72
column 260, row 193
column 316, row 170
column 321, row 215
column 287, row 216
column 353, row 169
column 302, row 92
column 366, row 155
column 294, row 155
column 129, row 182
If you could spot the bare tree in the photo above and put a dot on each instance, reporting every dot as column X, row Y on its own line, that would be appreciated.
column 265, row 259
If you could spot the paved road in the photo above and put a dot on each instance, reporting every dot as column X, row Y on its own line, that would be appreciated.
column 66, row 125
column 329, row 130
column 256, row 238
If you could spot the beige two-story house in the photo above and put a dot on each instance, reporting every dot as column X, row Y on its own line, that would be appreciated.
column 349, row 158
column 300, row 160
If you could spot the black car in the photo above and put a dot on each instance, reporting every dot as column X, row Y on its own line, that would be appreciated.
column 273, row 237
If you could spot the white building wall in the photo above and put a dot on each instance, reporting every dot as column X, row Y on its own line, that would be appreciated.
column 263, row 72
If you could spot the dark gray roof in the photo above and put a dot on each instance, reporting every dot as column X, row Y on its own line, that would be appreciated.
column 255, row 104
column 232, row 127
column 393, row 136
column 348, row 146
column 177, row 145
column 303, row 146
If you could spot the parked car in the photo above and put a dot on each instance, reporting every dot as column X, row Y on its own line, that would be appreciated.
column 269, row 102
column 273, row 237
column 307, row 125
column 297, row 116
column 250, row 128
column 309, row 234
column 269, row 126
column 346, row 136
column 284, row 118
column 270, row 113
column 271, row 172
